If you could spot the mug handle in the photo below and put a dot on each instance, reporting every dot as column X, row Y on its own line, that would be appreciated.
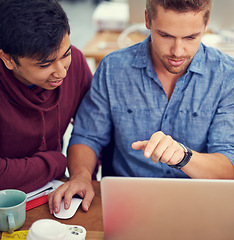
column 11, row 223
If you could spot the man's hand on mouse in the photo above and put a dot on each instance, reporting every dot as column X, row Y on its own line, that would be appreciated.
column 76, row 185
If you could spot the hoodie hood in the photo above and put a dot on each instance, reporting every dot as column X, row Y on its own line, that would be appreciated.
column 35, row 99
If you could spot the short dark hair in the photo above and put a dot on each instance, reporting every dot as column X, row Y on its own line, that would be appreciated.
column 179, row 6
column 32, row 28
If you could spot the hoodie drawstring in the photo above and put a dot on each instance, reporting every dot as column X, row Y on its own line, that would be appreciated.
column 59, row 123
column 43, row 146
column 43, row 142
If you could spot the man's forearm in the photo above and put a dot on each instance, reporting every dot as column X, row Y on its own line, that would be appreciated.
column 81, row 161
column 209, row 165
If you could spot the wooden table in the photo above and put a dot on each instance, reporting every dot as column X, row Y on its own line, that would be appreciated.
column 105, row 42
column 91, row 220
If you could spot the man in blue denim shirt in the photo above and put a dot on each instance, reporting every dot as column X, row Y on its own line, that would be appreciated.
column 165, row 96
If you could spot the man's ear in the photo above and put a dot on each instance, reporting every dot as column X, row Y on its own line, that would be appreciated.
column 206, row 27
column 7, row 59
column 147, row 22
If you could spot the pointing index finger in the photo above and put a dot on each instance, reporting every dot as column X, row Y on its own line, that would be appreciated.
column 152, row 144
column 139, row 145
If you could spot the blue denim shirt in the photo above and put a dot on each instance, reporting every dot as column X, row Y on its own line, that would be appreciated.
column 127, row 97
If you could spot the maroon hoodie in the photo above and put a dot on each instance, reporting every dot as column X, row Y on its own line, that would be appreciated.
column 32, row 125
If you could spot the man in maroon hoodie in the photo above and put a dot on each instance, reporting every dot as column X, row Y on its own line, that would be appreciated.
column 42, row 81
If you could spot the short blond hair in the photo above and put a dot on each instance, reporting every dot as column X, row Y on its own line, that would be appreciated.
column 179, row 6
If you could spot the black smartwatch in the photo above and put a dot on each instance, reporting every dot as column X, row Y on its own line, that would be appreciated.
column 187, row 156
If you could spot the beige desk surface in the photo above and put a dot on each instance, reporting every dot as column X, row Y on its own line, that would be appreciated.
column 91, row 220
column 105, row 42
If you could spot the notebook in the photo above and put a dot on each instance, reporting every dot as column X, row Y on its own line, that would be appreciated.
column 167, row 209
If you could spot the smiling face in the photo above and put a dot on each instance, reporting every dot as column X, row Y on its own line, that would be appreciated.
column 175, row 39
column 48, row 74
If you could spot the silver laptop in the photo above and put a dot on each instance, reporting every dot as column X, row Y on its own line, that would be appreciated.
column 167, row 209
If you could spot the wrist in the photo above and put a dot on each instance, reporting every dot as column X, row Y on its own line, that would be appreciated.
column 187, row 157
column 82, row 174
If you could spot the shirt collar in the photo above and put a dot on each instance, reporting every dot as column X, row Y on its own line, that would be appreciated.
column 198, row 63
column 143, row 54
column 143, row 57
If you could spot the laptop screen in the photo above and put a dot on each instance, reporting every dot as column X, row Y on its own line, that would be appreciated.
column 153, row 208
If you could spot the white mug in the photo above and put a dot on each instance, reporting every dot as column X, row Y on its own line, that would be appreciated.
column 48, row 229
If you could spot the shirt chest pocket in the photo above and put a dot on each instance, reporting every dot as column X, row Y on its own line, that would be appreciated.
column 192, row 128
column 133, row 123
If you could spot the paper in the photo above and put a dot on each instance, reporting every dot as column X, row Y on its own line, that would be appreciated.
column 39, row 196
column 40, row 192
column 15, row 235
column 57, row 183
column 45, row 190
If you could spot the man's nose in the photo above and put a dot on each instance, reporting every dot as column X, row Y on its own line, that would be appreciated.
column 177, row 49
column 59, row 70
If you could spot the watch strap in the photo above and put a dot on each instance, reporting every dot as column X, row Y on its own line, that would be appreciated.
column 187, row 156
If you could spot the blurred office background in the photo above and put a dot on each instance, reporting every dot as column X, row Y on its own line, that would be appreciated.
column 80, row 18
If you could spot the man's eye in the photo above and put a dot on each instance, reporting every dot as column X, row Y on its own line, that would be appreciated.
column 45, row 66
column 165, row 35
column 191, row 38
column 67, row 54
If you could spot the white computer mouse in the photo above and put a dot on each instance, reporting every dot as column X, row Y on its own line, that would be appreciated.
column 68, row 213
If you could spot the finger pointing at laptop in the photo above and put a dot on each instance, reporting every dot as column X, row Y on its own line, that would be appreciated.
column 162, row 148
